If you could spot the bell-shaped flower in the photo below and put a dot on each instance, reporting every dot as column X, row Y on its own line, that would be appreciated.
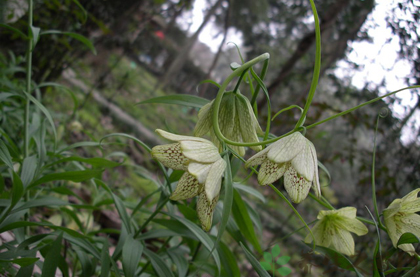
column 334, row 227
column 204, row 168
column 294, row 157
column 400, row 217
column 237, row 121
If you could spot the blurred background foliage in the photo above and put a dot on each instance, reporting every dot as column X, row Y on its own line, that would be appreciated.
column 144, row 50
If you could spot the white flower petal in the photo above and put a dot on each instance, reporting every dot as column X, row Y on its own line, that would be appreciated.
column 170, row 156
column 393, row 232
column 188, row 186
column 285, row 149
column 303, row 163
column 392, row 209
column 258, row 158
column 199, row 171
column 214, row 179
column 271, row 172
column 173, row 137
column 315, row 182
column 343, row 242
column 199, row 151
column 296, row 186
column 205, row 210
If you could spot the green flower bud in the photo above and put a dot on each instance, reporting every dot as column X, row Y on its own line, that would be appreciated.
column 237, row 122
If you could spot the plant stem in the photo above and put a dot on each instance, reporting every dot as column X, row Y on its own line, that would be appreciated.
column 359, row 106
column 317, row 68
column 295, row 211
column 28, row 79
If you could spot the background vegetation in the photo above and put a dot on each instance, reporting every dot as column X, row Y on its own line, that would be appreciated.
column 72, row 201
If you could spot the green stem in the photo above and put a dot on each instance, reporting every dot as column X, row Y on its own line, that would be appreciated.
column 158, row 208
column 359, row 106
column 295, row 211
column 317, row 67
column 28, row 79
column 257, row 89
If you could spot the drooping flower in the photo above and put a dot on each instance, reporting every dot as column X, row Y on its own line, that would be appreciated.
column 203, row 167
column 334, row 227
column 294, row 157
column 400, row 217
column 237, row 121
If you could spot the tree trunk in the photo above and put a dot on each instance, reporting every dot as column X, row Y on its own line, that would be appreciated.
column 304, row 45
column 219, row 51
column 182, row 56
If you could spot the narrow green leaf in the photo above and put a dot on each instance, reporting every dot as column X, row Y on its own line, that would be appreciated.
column 337, row 258
column 179, row 260
column 227, row 199
column 408, row 238
column 18, row 190
column 43, row 201
column 18, row 32
column 229, row 261
column 79, row 37
column 96, row 162
column 178, row 99
column 80, row 144
column 255, row 263
column 75, row 176
column 21, row 261
column 201, row 236
column 208, row 81
column 45, row 112
column 131, row 254
column 66, row 89
column 160, row 267
column 52, row 258
column 28, row 170
column 5, row 155
column 119, row 205
column 250, row 190
column 105, row 259
column 144, row 145
column 242, row 218
column 88, row 267
column 174, row 226
column 83, row 10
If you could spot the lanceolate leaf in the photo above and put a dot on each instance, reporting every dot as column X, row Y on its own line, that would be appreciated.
column 52, row 258
column 75, row 176
column 158, row 264
column 79, row 37
column 242, row 218
column 131, row 254
column 5, row 155
column 179, row 260
column 178, row 99
column 255, row 263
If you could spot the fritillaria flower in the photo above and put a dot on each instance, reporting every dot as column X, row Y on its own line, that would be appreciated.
column 294, row 157
column 237, row 121
column 400, row 217
column 334, row 227
column 203, row 166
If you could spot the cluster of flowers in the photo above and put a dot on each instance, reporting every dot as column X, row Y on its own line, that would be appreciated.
column 293, row 157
